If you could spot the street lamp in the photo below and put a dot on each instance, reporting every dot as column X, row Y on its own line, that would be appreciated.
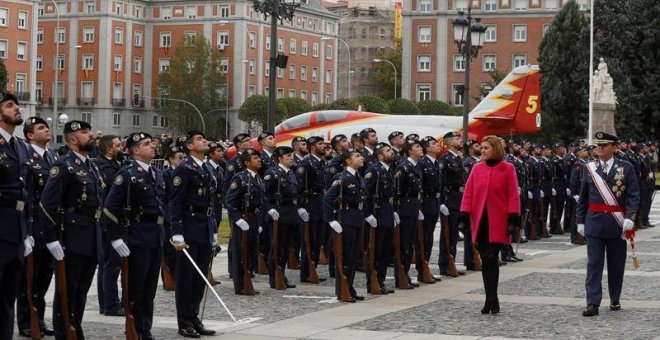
column 276, row 10
column 57, row 68
column 247, row 52
column 186, row 102
column 469, row 38
column 394, row 67
column 349, row 61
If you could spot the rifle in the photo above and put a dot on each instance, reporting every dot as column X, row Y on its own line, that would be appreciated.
column 524, row 222
column 293, row 257
column 533, row 233
column 131, row 332
column 344, row 292
column 248, row 288
column 323, row 258
column 35, row 328
column 261, row 263
column 568, row 214
column 544, row 226
column 374, row 285
column 168, row 279
column 427, row 276
column 399, row 270
column 275, row 246
column 451, row 262
column 311, row 265
column 62, row 289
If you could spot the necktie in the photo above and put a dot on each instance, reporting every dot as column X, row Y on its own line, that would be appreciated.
column 152, row 173
column 47, row 158
column 88, row 163
column 12, row 143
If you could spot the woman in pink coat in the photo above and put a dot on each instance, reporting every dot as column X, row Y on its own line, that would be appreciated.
column 492, row 205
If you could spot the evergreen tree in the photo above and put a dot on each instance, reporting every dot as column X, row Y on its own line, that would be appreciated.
column 3, row 76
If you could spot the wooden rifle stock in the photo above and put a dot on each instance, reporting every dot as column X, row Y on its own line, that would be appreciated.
column 533, row 233
column 168, row 279
column 35, row 328
column 311, row 265
column 374, row 285
column 62, row 291
column 261, row 263
column 344, row 292
column 451, row 262
column 427, row 276
column 364, row 256
column 293, row 258
column 323, row 258
column 279, row 275
column 401, row 277
column 555, row 216
column 131, row 332
column 544, row 226
column 248, row 288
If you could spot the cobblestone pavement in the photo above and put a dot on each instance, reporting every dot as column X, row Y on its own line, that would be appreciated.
column 541, row 298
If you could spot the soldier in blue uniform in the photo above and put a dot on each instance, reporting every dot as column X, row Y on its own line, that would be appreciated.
column 245, row 204
column 13, row 198
column 574, row 186
column 339, row 144
column 356, row 142
column 134, row 217
column 534, row 191
column 408, row 181
column 559, row 186
column 312, row 188
column 379, row 180
column 396, row 139
column 453, row 177
column 546, row 187
column 646, row 185
column 300, row 150
column 282, row 204
column 71, row 202
column 513, row 157
column 173, row 156
column 608, row 204
column 346, row 196
column 473, row 157
column 268, row 144
column 37, row 134
column 369, row 139
column 194, row 228
column 214, row 157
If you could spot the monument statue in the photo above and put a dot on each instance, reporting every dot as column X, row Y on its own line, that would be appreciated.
column 603, row 85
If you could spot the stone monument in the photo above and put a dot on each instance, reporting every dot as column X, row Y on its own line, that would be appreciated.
column 604, row 100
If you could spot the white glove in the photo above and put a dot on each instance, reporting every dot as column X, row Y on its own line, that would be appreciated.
column 542, row 194
column 55, row 248
column 371, row 220
column 335, row 226
column 444, row 210
column 260, row 230
column 178, row 242
column 304, row 215
column 420, row 216
column 273, row 214
column 650, row 175
column 628, row 225
column 214, row 242
column 244, row 225
column 568, row 192
column 580, row 229
column 29, row 243
column 554, row 192
column 120, row 247
column 397, row 219
column 576, row 198
column 529, row 195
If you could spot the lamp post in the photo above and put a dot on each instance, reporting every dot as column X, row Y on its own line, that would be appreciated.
column 276, row 10
column 349, row 61
column 469, row 37
column 247, row 53
column 56, row 89
column 227, row 97
column 393, row 66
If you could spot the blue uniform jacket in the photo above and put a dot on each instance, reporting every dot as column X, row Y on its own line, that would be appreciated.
column 312, row 184
column 282, row 189
column 332, row 168
column 380, row 201
column 621, row 179
column 13, row 169
column 453, row 176
column 347, row 192
column 431, row 185
column 245, row 199
column 36, row 182
column 408, row 181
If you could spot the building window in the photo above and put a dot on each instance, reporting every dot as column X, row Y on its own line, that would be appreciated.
column 88, row 61
column 137, row 65
column 550, row 4
column 425, row 6
column 60, row 35
column 252, row 90
column 164, row 65
column 90, row 7
column 280, row 72
column 328, row 98
column 119, row 8
column 519, row 60
column 459, row 63
column 117, row 92
column 251, row 66
column 136, row 120
column 315, row 75
column 424, row 35
column 267, row 43
column 117, row 63
column 166, row 39
column 292, row 93
column 315, row 50
column 40, row 10
column 119, row 35
column 223, row 38
column 328, row 76
column 191, row 12
column 491, row 33
column 88, row 35
column 20, row 83
column 303, row 73
column 39, row 92
column 3, row 49
column 461, row 5
column 292, row 46
column 280, row 44
column 40, row 36
column 519, row 33
column 22, row 19
column 40, row 62
column 224, row 65
column 546, row 28
column 490, row 62
column 280, row 93
column 457, row 97
column 253, row 40
column 303, row 48
column 137, row 39
column 87, row 93
column 328, row 52
column 166, row 13
column 224, row 11
column 303, row 94
column 154, row 121
column 21, row 50
column 583, row 5
column 491, row 5
column 116, row 119
column 423, row 92
column 86, row 117
column 292, row 72
column 315, row 98
column 520, row 5
column 59, row 62
column 424, row 63
column 4, row 14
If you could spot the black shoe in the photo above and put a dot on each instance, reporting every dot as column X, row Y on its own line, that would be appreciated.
column 386, row 290
column 460, row 272
column 352, row 300
column 591, row 310
column 523, row 240
column 468, row 268
column 358, row 297
column 437, row 278
column 517, row 258
column 47, row 331
column 486, row 308
column 114, row 312
column 413, row 284
column 615, row 305
column 148, row 336
column 323, row 279
column 495, row 306
column 290, row 285
column 203, row 330
column 25, row 333
column 509, row 259
column 189, row 333
column 501, row 263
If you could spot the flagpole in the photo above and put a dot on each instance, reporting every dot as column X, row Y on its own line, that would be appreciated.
column 591, row 75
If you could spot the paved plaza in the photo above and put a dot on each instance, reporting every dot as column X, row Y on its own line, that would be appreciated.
column 541, row 298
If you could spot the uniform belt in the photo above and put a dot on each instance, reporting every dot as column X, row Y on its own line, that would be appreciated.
column 289, row 202
column 604, row 208
column 357, row 206
column 18, row 205
column 148, row 218
column 91, row 212
column 458, row 188
column 208, row 211
column 431, row 195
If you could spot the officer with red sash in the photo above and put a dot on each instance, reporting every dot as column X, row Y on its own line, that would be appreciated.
column 607, row 206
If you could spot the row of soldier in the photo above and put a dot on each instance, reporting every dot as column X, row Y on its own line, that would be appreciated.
column 357, row 204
